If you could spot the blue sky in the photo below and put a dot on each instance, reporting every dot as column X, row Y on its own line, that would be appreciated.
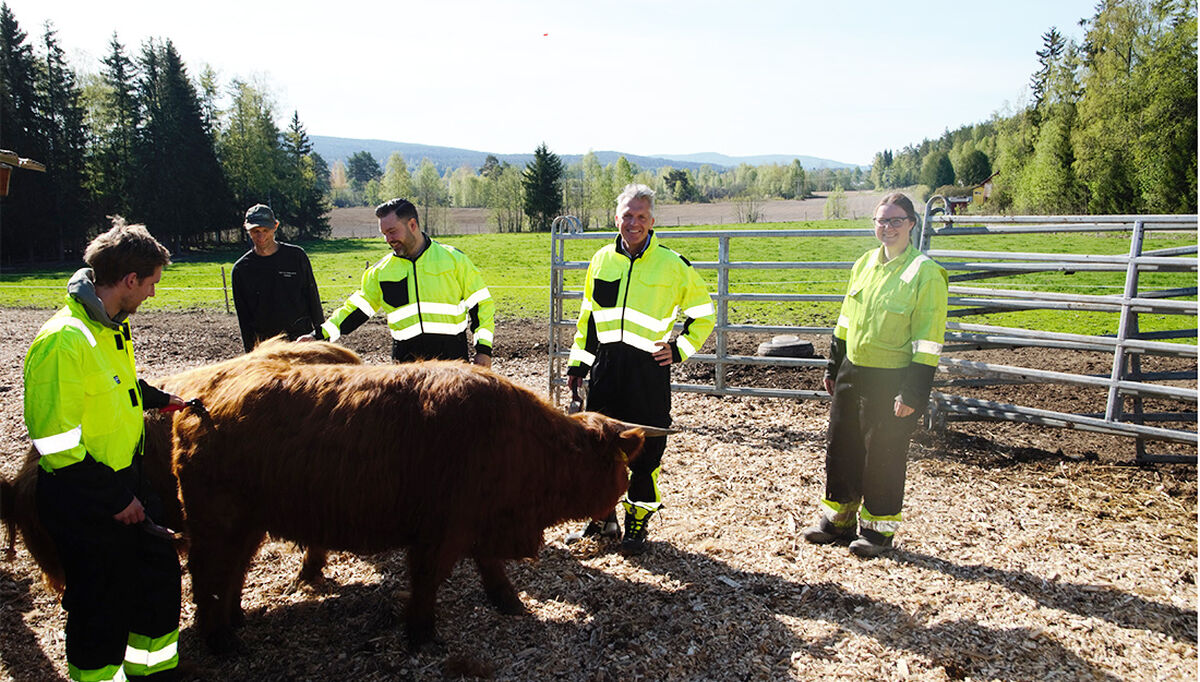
column 834, row 80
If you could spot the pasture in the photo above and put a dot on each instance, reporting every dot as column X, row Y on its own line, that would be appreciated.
column 1026, row 554
column 516, row 270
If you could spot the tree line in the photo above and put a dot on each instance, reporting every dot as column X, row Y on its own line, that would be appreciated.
column 586, row 189
column 142, row 139
column 1110, row 126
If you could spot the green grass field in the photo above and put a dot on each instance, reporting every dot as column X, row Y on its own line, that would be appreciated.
column 516, row 269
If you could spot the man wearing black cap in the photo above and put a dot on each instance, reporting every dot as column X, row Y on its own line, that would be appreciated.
column 274, row 290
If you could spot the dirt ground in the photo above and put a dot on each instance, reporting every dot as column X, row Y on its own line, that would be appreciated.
column 359, row 222
column 1026, row 554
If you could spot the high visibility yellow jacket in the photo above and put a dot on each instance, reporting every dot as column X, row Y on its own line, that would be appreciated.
column 81, row 392
column 635, row 301
column 439, row 292
column 894, row 316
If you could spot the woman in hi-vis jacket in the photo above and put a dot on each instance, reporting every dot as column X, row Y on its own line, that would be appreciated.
column 883, row 356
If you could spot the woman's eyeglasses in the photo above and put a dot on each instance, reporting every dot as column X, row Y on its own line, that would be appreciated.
column 891, row 222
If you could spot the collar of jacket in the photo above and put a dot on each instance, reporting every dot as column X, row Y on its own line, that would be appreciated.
column 905, row 256
column 82, row 287
column 651, row 242
column 424, row 248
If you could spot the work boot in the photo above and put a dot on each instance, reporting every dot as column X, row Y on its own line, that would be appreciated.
column 825, row 533
column 608, row 528
column 635, row 535
column 869, row 549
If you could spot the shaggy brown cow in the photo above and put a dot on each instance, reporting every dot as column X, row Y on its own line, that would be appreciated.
column 19, row 500
column 445, row 458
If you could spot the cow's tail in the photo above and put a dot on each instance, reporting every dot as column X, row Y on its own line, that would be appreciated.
column 8, row 514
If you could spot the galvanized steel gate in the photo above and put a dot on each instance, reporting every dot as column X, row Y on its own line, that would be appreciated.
column 1127, row 345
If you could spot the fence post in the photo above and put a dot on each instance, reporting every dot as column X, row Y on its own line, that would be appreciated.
column 225, row 289
column 722, row 308
column 1112, row 411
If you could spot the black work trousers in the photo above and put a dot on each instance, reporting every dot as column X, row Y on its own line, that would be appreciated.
column 119, row 579
column 628, row 384
column 867, row 446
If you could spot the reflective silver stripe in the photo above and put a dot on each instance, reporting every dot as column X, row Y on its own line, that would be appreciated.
column 401, row 313
column 78, row 324
column 150, row 658
column 606, row 315
column 447, row 328
column 484, row 335
column 639, row 318
column 362, row 304
column 648, row 506
column 586, row 305
column 406, row 333
column 581, row 355
column 698, row 311
column 425, row 307
column 331, row 330
column 928, row 347
column 414, row 330
column 885, row 527
column 442, row 308
column 474, row 299
column 639, row 342
column 911, row 270
column 686, row 349
column 60, row 442
column 843, row 322
column 843, row 517
column 609, row 336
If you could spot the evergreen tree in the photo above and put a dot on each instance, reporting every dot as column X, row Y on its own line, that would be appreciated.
column 181, row 193
column 115, row 124
column 305, row 201
column 975, row 168
column 322, row 172
column 936, row 170
column 25, row 218
column 62, row 120
column 1048, row 57
column 542, row 183
column 362, row 167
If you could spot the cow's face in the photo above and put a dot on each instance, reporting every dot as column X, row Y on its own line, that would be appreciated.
column 616, row 438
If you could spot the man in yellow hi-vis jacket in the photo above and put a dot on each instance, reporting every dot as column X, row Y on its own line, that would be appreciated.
column 430, row 292
column 634, row 289
column 83, row 409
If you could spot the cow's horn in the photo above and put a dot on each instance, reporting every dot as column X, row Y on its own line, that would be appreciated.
column 650, row 431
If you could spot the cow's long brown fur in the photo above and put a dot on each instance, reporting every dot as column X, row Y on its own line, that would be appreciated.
column 19, row 499
column 445, row 458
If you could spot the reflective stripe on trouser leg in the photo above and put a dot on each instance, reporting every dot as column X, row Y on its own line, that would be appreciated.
column 643, row 472
column 148, row 655
column 878, row 529
column 839, row 514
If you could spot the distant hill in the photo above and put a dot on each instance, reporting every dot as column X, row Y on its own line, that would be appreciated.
column 715, row 159
column 340, row 148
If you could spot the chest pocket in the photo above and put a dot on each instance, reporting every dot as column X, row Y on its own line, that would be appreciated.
column 892, row 320
column 657, row 278
column 395, row 293
column 604, row 292
column 102, row 389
